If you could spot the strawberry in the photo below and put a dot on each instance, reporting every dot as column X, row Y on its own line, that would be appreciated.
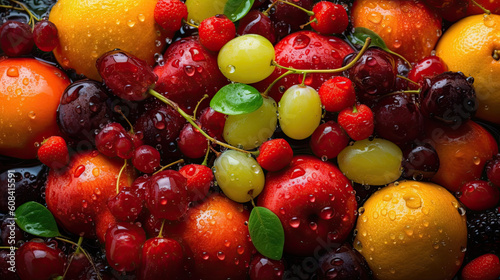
column 199, row 178
column 329, row 18
column 485, row 267
column 357, row 121
column 275, row 154
column 216, row 31
column 337, row 94
column 54, row 152
column 170, row 13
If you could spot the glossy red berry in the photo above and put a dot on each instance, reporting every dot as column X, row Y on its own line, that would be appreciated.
column 357, row 122
column 191, row 142
column 166, row 195
column 170, row 13
column 337, row 94
column 479, row 195
column 39, row 261
column 161, row 257
column 493, row 170
column 124, row 246
column 213, row 123
column 328, row 140
column 113, row 141
column 265, row 268
column 16, row 38
column 329, row 18
column 146, row 159
column 216, row 31
column 127, row 76
column 45, row 35
column 275, row 154
column 54, row 152
column 427, row 67
column 125, row 205
column 256, row 22
column 199, row 179
column 485, row 267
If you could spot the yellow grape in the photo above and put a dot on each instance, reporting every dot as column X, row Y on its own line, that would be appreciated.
column 376, row 162
column 246, row 59
column 299, row 111
column 198, row 10
column 249, row 131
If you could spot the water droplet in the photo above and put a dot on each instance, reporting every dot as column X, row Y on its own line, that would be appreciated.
column 312, row 198
column 489, row 21
column 230, row 68
column 392, row 215
column 95, row 172
column 326, row 213
column 221, row 256
column 313, row 225
column 282, row 211
column 412, row 201
column 189, row 70
column 205, row 256
column 141, row 17
column 79, row 170
column 130, row 23
column 32, row 115
column 294, row 222
column 375, row 17
column 196, row 54
column 476, row 160
column 240, row 250
column 361, row 210
column 461, row 211
column 301, row 41
column 297, row 172
column 13, row 72
column 85, row 204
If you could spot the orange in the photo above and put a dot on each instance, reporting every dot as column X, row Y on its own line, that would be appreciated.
column 88, row 29
column 469, row 46
column 30, row 91
column 413, row 231
column 408, row 27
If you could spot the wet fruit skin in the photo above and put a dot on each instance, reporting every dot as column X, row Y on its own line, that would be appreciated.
column 314, row 201
column 343, row 263
column 38, row 261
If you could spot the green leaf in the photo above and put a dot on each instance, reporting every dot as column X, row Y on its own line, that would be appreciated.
column 236, row 99
column 36, row 219
column 236, row 9
column 266, row 232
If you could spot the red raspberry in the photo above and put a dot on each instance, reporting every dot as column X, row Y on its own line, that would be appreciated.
column 216, row 31
column 275, row 154
column 337, row 94
column 357, row 122
column 54, row 152
column 170, row 13
column 485, row 267
column 330, row 18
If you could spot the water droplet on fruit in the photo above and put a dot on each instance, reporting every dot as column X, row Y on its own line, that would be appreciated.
column 141, row 17
column 84, row 204
column 375, row 17
column 392, row 215
column 189, row 70
column 282, row 211
column 78, row 171
column 130, row 23
column 476, row 160
column 313, row 225
column 297, row 172
column 13, row 72
column 312, row 198
column 95, row 172
column 221, row 256
column 412, row 201
column 32, row 115
column 230, row 68
column 461, row 211
column 205, row 256
column 196, row 54
column 240, row 250
column 294, row 222
column 301, row 41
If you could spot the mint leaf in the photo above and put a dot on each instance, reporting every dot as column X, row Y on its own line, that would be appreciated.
column 36, row 219
column 236, row 99
column 266, row 232
column 236, row 9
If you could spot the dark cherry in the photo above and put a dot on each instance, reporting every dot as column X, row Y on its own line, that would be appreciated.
column 420, row 162
column 191, row 142
column 27, row 183
column 45, row 35
column 288, row 19
column 161, row 257
column 493, row 170
column 124, row 246
column 16, row 38
column 449, row 98
column 343, row 263
column 199, row 179
column 479, row 195
column 7, row 265
column 264, row 268
column 213, row 123
column 113, row 141
column 125, row 205
column 11, row 234
column 328, row 140
column 427, row 67
column 78, row 267
column 397, row 118
column 255, row 22
column 166, row 195
column 39, row 261
column 83, row 110
column 146, row 159
column 374, row 73
column 126, row 75
column 450, row 10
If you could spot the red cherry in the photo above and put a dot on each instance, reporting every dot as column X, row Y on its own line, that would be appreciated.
column 357, row 122
column 39, row 261
column 265, row 268
column 45, row 35
column 125, row 205
column 493, row 170
column 123, row 246
column 166, row 195
column 146, row 159
column 330, row 18
column 161, row 257
column 328, row 140
column 256, row 22
column 337, row 94
column 213, row 123
column 427, row 67
column 275, row 154
column 216, row 31
column 199, row 179
column 191, row 142
column 16, row 38
column 113, row 141
column 479, row 195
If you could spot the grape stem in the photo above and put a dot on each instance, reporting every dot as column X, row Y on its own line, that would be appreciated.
column 78, row 245
column 292, row 70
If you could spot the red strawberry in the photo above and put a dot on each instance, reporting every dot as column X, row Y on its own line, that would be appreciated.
column 275, row 154
column 54, row 152
column 485, row 267
column 199, row 178
column 170, row 13
column 216, row 31
column 357, row 122
column 337, row 94
column 330, row 18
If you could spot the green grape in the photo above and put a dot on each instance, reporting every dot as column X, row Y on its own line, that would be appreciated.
column 249, row 131
column 376, row 162
column 239, row 175
column 198, row 10
column 299, row 111
column 246, row 59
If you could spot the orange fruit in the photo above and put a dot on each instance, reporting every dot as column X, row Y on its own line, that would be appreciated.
column 472, row 46
column 408, row 27
column 412, row 230
column 30, row 91
column 88, row 29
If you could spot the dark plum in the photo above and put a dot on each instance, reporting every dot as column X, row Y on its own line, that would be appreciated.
column 343, row 263
column 255, row 22
column 83, row 110
column 449, row 98
column 16, row 38
column 420, row 162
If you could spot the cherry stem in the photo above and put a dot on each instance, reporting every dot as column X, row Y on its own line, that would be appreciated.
column 205, row 96
column 77, row 251
column 205, row 160
column 191, row 121
column 83, row 251
column 486, row 11
column 306, row 24
column 119, row 176
column 161, row 229
column 266, row 12
column 217, row 154
column 190, row 24
column 169, row 165
column 119, row 111
column 33, row 18
column 309, row 13
column 408, row 80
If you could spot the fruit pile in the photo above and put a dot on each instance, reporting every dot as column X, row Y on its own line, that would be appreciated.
column 250, row 139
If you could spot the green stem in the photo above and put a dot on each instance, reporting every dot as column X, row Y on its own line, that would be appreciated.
column 77, row 251
column 190, row 24
column 486, row 11
column 119, row 111
column 205, row 96
column 309, row 13
column 33, row 18
column 7, row 247
column 84, row 252
column 354, row 109
column 266, row 92
column 168, row 165
column 205, row 160
column 119, row 176
column 161, row 229
column 307, row 23
column 80, row 240
column 408, row 80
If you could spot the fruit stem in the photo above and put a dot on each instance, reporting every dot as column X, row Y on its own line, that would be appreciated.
column 80, row 240
column 205, row 160
column 303, row 83
column 306, row 24
column 33, row 18
column 161, row 229
column 77, row 251
column 205, row 96
column 84, row 252
column 266, row 92
column 119, row 111
column 168, row 165
column 7, row 247
column 190, row 24
column 408, row 80
column 354, row 109
column 309, row 13
column 119, row 176
column 486, row 11
column 190, row 120
column 266, row 12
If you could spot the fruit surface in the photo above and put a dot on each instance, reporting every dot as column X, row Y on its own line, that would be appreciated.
column 469, row 46
column 87, row 29
column 400, row 23
column 198, row 10
column 412, row 230
column 30, row 91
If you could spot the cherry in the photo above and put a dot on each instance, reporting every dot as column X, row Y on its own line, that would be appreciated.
column 113, row 141
column 450, row 10
column 16, row 38
column 123, row 246
column 256, row 22
column 337, row 94
column 191, row 142
column 427, row 67
column 199, row 179
column 329, row 18
column 288, row 19
column 78, row 267
column 343, row 263
column 420, row 162
column 125, row 205
column 146, row 159
column 479, row 195
column 265, row 268
column 216, row 31
column 493, row 170
column 45, row 35
column 39, row 261
column 357, row 121
column 7, row 260
column 328, row 140
column 161, row 257
column 166, row 195
column 127, row 76
column 139, row 186
column 213, row 123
